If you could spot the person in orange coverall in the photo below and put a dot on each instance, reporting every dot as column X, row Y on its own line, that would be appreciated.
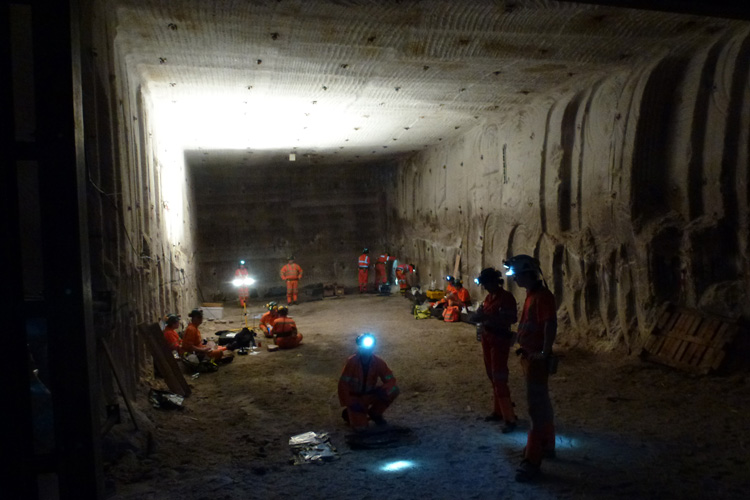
column 241, row 275
column 452, row 313
column 171, row 337
column 285, row 331
column 291, row 273
column 380, row 274
column 266, row 321
column 493, row 320
column 360, row 394
column 192, row 341
column 537, row 330
column 364, row 269
column 402, row 273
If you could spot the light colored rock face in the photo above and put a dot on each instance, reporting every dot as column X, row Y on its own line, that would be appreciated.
column 631, row 191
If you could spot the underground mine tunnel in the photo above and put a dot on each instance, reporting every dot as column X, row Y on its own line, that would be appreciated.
column 150, row 145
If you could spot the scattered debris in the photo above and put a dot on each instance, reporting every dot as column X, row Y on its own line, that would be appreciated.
column 312, row 447
column 165, row 400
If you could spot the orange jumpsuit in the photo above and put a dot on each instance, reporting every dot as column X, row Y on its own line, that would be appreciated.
column 451, row 314
column 496, row 342
column 172, row 339
column 242, row 291
column 380, row 263
column 285, row 331
column 364, row 269
column 401, row 271
column 266, row 323
column 452, row 293
column 291, row 273
column 192, row 339
column 360, row 393
column 538, row 309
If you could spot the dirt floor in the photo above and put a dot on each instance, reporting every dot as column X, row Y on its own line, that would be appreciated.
column 626, row 429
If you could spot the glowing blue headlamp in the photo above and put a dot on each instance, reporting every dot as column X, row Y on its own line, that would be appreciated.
column 366, row 341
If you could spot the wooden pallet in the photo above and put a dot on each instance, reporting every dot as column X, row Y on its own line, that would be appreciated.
column 689, row 340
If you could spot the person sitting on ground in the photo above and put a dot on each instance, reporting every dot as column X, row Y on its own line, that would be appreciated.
column 285, row 334
column 359, row 393
column 171, row 337
column 193, row 343
column 266, row 321
column 450, row 289
column 460, row 294
column 452, row 313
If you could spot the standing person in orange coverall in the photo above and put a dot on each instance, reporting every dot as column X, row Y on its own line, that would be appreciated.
column 266, row 321
column 192, row 341
column 171, row 337
column 291, row 273
column 359, row 392
column 285, row 333
column 364, row 269
column 537, row 330
column 380, row 276
column 493, row 319
column 240, row 277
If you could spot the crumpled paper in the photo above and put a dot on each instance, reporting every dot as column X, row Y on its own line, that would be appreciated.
column 312, row 447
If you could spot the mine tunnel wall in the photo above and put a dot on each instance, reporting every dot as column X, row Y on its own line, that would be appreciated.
column 631, row 192
column 139, row 220
column 323, row 215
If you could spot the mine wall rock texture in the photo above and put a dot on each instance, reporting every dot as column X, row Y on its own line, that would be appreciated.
column 141, row 249
column 632, row 191
column 322, row 215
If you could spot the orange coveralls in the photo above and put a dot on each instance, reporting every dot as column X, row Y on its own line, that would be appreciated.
column 364, row 269
column 538, row 309
column 285, row 331
column 266, row 321
column 360, row 393
column 172, row 339
column 380, row 263
column 242, row 291
column 451, row 314
column 496, row 342
column 192, row 339
column 291, row 273
column 401, row 271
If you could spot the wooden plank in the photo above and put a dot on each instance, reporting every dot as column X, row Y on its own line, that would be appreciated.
column 670, row 324
column 680, row 352
column 664, row 315
column 690, row 353
column 153, row 337
column 118, row 379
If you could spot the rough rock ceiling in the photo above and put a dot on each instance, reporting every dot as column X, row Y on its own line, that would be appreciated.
column 359, row 80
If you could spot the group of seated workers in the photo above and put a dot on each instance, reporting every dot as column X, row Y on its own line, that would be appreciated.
column 277, row 324
column 456, row 298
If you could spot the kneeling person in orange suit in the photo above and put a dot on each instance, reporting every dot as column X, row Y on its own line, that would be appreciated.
column 266, row 321
column 285, row 330
column 192, row 341
column 452, row 313
column 359, row 391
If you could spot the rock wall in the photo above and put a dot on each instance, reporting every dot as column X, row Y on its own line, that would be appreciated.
column 141, row 247
column 322, row 215
column 631, row 190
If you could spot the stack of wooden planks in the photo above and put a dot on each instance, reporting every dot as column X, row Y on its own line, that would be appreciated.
column 689, row 340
